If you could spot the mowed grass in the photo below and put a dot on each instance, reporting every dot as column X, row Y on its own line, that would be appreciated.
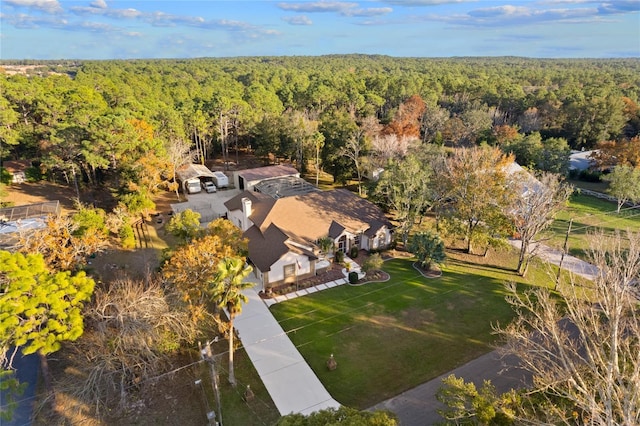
column 392, row 336
column 590, row 215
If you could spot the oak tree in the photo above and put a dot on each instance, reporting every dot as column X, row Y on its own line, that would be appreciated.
column 476, row 193
column 624, row 184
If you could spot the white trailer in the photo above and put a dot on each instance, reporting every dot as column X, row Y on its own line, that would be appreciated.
column 220, row 179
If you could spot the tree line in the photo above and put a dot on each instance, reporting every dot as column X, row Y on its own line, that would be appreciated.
column 92, row 120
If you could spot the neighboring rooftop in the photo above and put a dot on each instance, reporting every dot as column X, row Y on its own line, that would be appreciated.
column 267, row 172
column 580, row 160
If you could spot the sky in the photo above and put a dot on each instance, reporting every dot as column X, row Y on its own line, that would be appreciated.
column 122, row 29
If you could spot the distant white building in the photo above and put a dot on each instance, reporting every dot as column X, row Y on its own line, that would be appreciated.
column 580, row 160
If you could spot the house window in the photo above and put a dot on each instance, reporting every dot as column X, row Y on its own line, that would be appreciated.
column 356, row 241
column 289, row 271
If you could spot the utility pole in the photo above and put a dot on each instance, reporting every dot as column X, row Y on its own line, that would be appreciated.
column 564, row 251
column 208, row 356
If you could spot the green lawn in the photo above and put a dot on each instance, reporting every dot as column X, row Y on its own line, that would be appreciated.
column 389, row 337
column 590, row 214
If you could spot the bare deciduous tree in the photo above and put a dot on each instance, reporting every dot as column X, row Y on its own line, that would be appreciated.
column 388, row 147
column 130, row 330
column 583, row 348
column 534, row 208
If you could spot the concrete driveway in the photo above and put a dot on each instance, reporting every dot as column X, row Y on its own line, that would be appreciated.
column 292, row 384
column 210, row 206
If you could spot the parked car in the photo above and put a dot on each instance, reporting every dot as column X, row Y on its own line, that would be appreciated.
column 209, row 186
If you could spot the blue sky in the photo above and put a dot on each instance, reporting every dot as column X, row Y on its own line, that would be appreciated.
column 103, row 29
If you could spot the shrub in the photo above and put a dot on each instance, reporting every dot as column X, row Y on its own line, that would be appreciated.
column 372, row 263
column 590, row 176
column 89, row 221
column 353, row 253
column 353, row 277
column 428, row 248
column 339, row 256
column 127, row 237
column 5, row 176
column 33, row 174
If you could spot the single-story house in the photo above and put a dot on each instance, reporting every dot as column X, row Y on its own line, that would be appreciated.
column 283, row 233
column 249, row 178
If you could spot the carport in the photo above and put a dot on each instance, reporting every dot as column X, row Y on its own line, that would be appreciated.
column 193, row 171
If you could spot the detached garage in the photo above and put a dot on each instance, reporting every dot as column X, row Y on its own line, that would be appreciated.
column 249, row 178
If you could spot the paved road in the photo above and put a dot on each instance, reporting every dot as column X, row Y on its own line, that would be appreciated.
column 554, row 256
column 419, row 406
column 26, row 372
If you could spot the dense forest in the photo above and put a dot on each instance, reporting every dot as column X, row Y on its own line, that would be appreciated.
column 125, row 127
column 88, row 120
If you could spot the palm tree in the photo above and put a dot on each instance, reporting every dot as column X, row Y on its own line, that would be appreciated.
column 228, row 294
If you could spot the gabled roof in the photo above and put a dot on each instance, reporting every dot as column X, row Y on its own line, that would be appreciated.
column 310, row 216
column 335, row 229
column 190, row 171
column 14, row 166
column 265, row 248
column 268, row 172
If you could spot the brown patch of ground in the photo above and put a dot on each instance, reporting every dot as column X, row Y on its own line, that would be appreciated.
column 39, row 192
column 418, row 318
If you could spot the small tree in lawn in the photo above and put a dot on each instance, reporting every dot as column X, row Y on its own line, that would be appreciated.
column 428, row 248
column 624, row 184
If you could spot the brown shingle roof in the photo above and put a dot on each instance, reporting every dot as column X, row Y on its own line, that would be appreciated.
column 308, row 217
column 265, row 248
column 257, row 199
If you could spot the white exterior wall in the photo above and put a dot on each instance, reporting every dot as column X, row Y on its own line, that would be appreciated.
column 259, row 276
column 276, row 273
column 248, row 185
column 238, row 218
column 380, row 240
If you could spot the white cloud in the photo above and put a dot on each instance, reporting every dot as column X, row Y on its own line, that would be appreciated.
column 318, row 7
column 24, row 21
column 48, row 6
column 341, row 8
column 372, row 11
column 111, row 13
column 100, row 4
column 426, row 2
column 298, row 20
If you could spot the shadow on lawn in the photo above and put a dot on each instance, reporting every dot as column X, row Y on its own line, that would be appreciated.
column 489, row 266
